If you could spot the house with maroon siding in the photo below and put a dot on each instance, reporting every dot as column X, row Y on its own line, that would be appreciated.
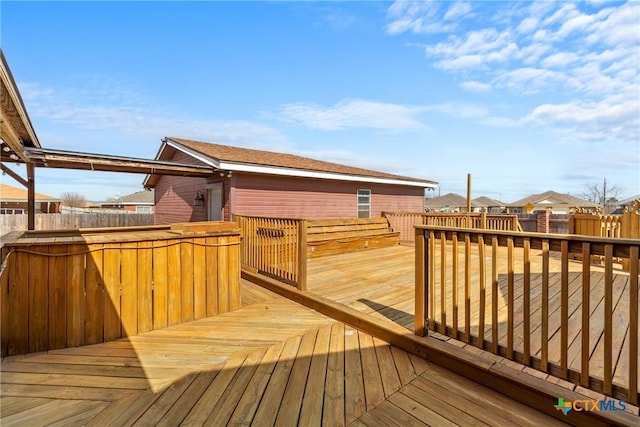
column 265, row 183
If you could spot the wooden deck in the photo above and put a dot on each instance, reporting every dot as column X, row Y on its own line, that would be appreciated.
column 380, row 283
column 273, row 362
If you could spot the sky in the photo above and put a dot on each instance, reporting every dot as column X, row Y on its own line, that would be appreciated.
column 524, row 96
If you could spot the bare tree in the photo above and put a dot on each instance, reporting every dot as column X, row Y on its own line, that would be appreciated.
column 604, row 195
column 74, row 200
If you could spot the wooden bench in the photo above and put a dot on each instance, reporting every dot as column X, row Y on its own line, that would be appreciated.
column 338, row 236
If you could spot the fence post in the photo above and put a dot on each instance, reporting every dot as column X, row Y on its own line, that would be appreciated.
column 483, row 220
column 421, row 280
column 302, row 254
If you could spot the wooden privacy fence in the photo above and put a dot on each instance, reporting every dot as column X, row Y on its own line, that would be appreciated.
column 71, row 221
column 73, row 288
column 404, row 222
column 518, row 295
column 276, row 247
column 626, row 225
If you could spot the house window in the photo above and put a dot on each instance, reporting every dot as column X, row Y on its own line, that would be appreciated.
column 143, row 209
column 364, row 203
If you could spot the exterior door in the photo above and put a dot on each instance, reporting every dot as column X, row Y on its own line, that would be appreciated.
column 214, row 204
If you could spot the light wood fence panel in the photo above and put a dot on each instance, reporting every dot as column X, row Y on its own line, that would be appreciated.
column 74, row 221
column 276, row 247
column 77, row 289
column 403, row 222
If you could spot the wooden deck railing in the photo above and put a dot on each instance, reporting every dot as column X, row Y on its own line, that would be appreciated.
column 276, row 247
column 518, row 295
column 404, row 222
column 77, row 287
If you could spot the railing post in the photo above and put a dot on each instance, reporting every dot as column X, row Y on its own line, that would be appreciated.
column 483, row 220
column 302, row 254
column 421, row 280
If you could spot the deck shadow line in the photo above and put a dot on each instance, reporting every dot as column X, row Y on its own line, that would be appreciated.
column 389, row 312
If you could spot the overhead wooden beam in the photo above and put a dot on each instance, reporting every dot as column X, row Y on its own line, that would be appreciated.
column 102, row 162
column 31, row 197
column 14, row 175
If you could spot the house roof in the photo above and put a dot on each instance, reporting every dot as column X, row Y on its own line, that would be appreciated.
column 138, row 198
column 224, row 157
column 449, row 199
column 484, row 201
column 552, row 198
column 14, row 194
column 629, row 200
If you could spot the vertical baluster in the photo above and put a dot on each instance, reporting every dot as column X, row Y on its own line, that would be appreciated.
column 431, row 283
column 454, row 273
column 564, row 310
column 483, row 292
column 443, row 283
column 526, row 304
column 633, row 325
column 421, row 280
column 510, row 297
column 608, row 318
column 586, row 311
column 544, row 339
column 467, row 288
column 494, row 294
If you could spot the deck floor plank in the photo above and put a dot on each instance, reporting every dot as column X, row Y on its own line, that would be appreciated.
column 270, row 362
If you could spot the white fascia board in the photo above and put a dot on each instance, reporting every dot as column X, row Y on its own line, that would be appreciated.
column 273, row 170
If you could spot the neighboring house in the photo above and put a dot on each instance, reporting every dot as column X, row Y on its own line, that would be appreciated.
column 626, row 203
column 256, row 182
column 488, row 205
column 450, row 202
column 14, row 201
column 140, row 202
column 558, row 203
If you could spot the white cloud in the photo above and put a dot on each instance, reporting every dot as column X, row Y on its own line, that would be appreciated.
column 457, row 10
column 123, row 111
column 579, row 59
column 559, row 59
column 354, row 113
column 474, row 86
column 420, row 17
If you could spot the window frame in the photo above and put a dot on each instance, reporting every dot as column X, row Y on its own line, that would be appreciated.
column 360, row 207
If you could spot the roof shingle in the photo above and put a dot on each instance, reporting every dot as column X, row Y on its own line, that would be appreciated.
column 283, row 160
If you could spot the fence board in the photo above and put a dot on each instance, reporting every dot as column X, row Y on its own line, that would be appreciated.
column 19, row 305
column 112, row 312
column 94, row 332
column 186, row 279
column 174, row 291
column 129, row 288
column 199, row 281
column 160, row 285
column 145, row 286
column 38, row 300
column 72, row 290
column 70, row 221
column 75, row 296
column 57, row 298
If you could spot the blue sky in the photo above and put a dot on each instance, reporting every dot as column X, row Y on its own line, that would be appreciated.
column 525, row 96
